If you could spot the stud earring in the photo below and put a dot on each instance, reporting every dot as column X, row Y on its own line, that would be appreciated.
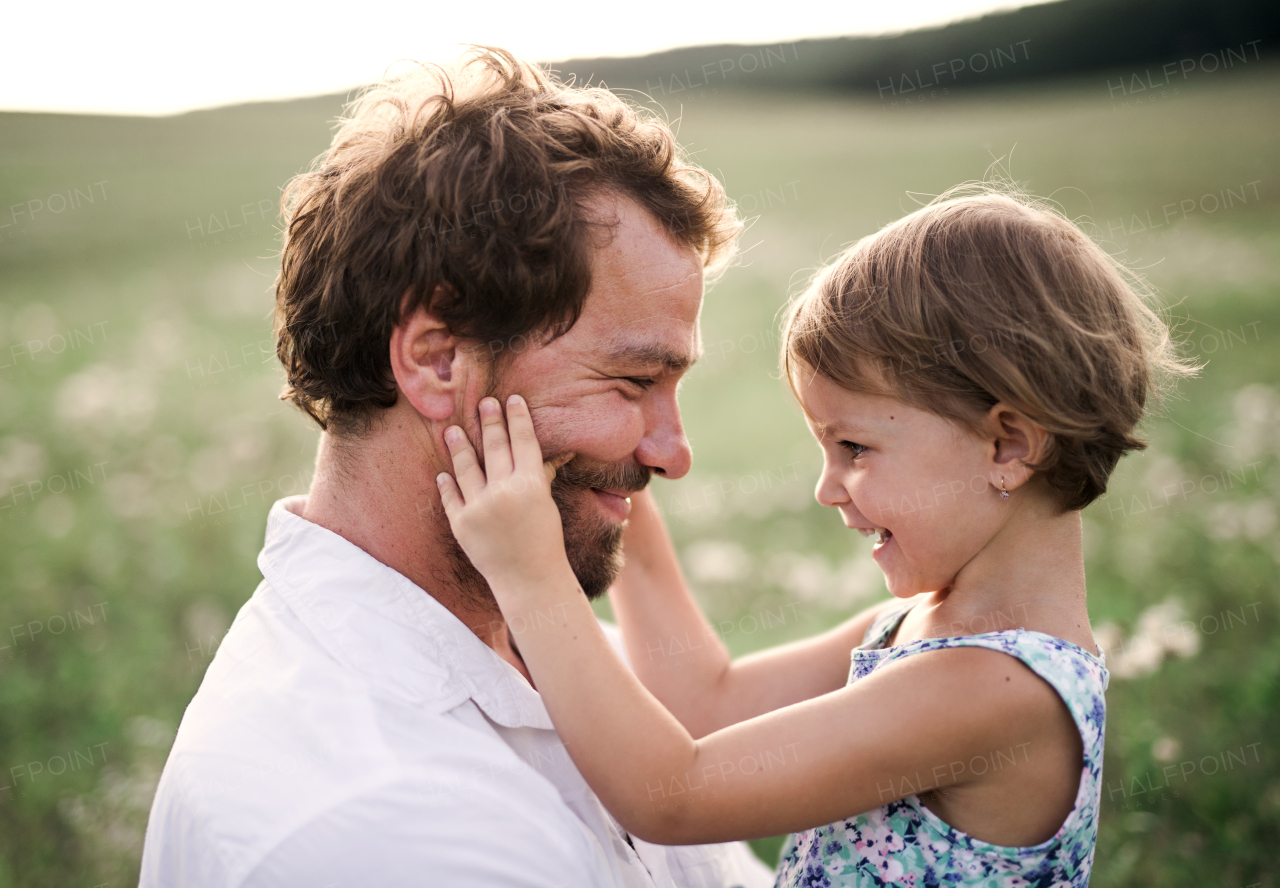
column 1004, row 494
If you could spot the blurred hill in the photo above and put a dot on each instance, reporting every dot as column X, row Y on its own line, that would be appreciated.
column 1051, row 40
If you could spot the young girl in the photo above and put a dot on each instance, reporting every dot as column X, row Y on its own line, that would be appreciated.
column 972, row 374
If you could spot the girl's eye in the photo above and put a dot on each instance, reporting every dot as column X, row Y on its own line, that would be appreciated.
column 855, row 449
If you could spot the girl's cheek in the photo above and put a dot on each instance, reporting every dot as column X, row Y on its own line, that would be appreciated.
column 862, row 500
column 879, row 500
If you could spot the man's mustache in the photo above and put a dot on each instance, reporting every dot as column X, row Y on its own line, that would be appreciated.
column 576, row 475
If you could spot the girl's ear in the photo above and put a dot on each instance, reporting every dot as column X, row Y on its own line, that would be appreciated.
column 1016, row 443
column 427, row 364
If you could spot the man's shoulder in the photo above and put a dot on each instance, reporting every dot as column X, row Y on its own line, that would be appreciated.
column 354, row 821
column 283, row 742
column 278, row 706
column 432, row 828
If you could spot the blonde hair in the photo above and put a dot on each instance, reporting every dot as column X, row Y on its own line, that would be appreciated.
column 983, row 296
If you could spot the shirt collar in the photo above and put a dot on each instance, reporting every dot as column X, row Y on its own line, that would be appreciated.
column 378, row 623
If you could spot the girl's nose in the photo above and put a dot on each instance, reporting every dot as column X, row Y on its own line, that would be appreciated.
column 830, row 492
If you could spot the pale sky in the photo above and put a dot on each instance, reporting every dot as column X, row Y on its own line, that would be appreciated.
column 145, row 57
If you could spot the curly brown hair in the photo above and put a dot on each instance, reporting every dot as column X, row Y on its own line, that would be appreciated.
column 464, row 189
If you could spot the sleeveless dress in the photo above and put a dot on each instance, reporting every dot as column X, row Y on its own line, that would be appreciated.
column 904, row 843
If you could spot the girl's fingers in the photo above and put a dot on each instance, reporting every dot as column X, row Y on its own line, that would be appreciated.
column 553, row 465
column 465, row 466
column 525, row 449
column 493, row 432
column 450, row 496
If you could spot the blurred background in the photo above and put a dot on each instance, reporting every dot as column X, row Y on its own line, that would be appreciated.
column 142, row 442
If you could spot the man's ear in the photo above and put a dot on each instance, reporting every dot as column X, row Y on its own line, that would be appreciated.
column 1017, row 442
column 427, row 363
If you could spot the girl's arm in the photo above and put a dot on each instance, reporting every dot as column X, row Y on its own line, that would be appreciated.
column 679, row 656
column 801, row 766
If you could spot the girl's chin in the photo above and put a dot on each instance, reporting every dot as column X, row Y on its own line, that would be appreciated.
column 910, row 587
column 903, row 587
column 900, row 577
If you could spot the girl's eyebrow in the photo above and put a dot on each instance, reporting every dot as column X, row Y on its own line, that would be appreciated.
column 835, row 429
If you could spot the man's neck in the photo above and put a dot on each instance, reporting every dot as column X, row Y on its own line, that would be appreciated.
column 378, row 492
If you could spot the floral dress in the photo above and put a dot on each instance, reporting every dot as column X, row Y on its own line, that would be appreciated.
column 904, row 843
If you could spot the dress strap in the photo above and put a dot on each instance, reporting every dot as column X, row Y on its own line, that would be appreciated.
column 885, row 625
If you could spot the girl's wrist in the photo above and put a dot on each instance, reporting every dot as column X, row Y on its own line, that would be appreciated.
column 531, row 591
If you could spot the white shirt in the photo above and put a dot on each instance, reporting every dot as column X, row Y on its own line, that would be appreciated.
column 351, row 731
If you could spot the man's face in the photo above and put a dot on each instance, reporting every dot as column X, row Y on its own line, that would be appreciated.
column 606, row 390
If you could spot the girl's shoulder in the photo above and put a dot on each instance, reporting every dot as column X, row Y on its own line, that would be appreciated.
column 1076, row 676
column 1079, row 677
column 1073, row 674
column 1040, row 650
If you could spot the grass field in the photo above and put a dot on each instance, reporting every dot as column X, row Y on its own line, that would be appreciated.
column 141, row 442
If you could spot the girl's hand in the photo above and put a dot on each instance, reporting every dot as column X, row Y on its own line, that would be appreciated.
column 503, row 515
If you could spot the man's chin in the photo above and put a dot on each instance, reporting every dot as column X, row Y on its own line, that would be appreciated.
column 592, row 539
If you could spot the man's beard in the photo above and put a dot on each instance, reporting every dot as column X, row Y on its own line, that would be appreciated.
column 592, row 544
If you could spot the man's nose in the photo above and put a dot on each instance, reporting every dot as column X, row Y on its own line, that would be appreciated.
column 664, row 447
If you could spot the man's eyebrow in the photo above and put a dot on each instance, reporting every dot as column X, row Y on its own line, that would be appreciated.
column 668, row 359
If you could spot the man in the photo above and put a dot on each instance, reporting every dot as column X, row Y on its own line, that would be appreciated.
column 368, row 719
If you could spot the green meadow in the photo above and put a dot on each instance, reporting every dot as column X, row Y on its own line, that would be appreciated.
column 142, row 441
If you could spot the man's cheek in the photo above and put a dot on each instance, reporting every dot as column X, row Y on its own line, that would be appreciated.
column 552, row 425
column 603, row 428
column 548, row 421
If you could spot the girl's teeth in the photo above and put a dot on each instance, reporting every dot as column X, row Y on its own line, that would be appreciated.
column 883, row 533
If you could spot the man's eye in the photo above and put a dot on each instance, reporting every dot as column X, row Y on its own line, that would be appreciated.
column 642, row 381
column 856, row 449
